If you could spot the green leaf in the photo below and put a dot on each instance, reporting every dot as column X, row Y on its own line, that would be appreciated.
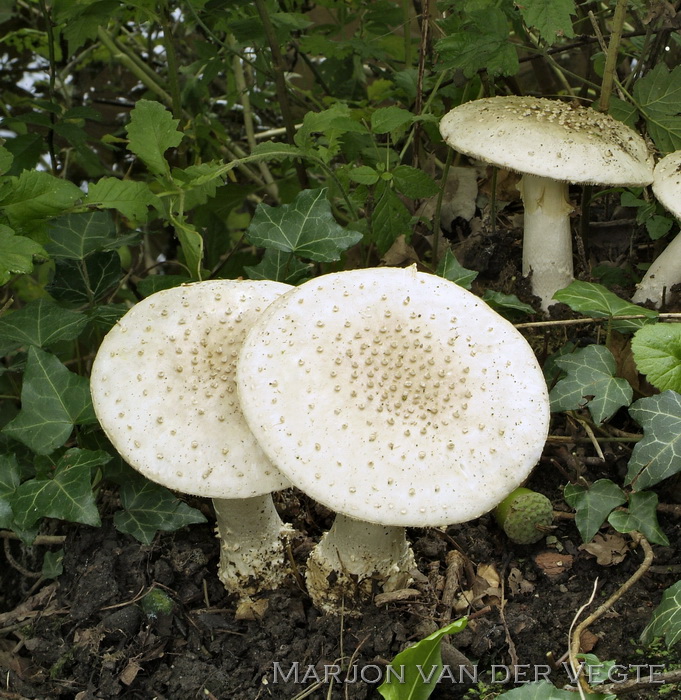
column 506, row 304
column 658, row 226
column 658, row 455
column 552, row 19
column 414, row 183
column 149, row 508
column 66, row 494
column 390, row 220
column 590, row 381
column 192, row 245
column 152, row 131
column 41, row 323
column 593, row 505
column 129, row 197
column 422, row 667
column 53, row 564
column 305, row 227
column 450, row 268
column 75, row 236
column 53, row 400
column 666, row 620
column 280, row 267
column 9, row 483
column 198, row 183
column 363, row 175
column 387, row 119
column 595, row 300
column 657, row 353
column 658, row 96
column 6, row 159
column 641, row 515
column 16, row 254
column 36, row 196
column 544, row 690
column 85, row 282
column 82, row 20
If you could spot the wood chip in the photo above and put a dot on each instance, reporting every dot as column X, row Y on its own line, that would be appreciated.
column 395, row 596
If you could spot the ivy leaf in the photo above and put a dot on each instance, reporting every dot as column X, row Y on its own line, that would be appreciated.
column 16, row 254
column 552, row 19
column 36, row 196
column 387, row 119
column 41, row 323
column 131, row 198
column 545, row 690
column 641, row 516
column 593, row 505
column 590, row 381
column 666, row 620
column 9, row 483
column 657, row 353
column 149, row 508
column 658, row 96
column 85, row 282
column 390, row 220
column 414, row 183
column 596, row 300
column 422, row 666
column 66, row 494
column 53, row 400
column 75, row 236
column 658, row 455
column 451, row 269
column 280, row 267
column 507, row 304
column 151, row 132
column 305, row 227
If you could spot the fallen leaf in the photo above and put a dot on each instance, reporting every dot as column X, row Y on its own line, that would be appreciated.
column 518, row 584
column 553, row 565
column 608, row 549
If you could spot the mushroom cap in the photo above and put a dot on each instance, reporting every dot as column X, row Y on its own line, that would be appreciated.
column 549, row 138
column 163, row 388
column 394, row 396
column 667, row 182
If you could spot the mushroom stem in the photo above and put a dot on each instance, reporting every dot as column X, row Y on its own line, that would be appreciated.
column 547, row 241
column 662, row 275
column 252, row 537
column 353, row 557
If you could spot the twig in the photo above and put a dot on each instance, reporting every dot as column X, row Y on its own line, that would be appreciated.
column 16, row 565
column 598, row 319
column 634, row 685
column 611, row 54
column 39, row 540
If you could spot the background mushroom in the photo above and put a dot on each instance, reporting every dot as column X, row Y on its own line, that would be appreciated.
column 665, row 270
column 163, row 389
column 396, row 399
column 552, row 144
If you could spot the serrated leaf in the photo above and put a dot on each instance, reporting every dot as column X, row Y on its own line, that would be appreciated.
column 274, row 149
column 451, row 269
column 305, row 227
column 199, row 183
column 6, row 159
column 657, row 353
column 149, row 508
column 280, row 267
column 131, row 198
column 641, row 515
column 552, row 19
column 414, row 183
column 85, row 282
column 421, row 665
column 75, row 236
column 658, row 96
column 387, row 119
column 390, row 220
column 41, row 323
column 36, row 196
column 595, row 300
column 16, row 254
column 593, row 505
column 590, row 381
column 666, row 620
column 53, row 400
column 151, row 132
column 658, row 455
column 82, row 20
column 66, row 495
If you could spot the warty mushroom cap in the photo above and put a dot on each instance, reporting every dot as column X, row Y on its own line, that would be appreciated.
column 163, row 389
column 394, row 397
column 549, row 138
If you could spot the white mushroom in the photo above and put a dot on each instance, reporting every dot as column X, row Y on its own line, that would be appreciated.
column 552, row 144
column 665, row 271
column 163, row 388
column 396, row 399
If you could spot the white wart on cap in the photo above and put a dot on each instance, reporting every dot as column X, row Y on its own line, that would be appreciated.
column 551, row 143
column 163, row 389
column 665, row 270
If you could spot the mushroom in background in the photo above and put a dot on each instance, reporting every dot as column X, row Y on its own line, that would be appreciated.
column 552, row 144
column 163, row 388
column 665, row 270
column 396, row 399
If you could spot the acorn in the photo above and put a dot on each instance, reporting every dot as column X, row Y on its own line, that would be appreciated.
column 524, row 515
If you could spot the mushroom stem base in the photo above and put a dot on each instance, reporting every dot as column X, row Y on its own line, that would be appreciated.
column 355, row 559
column 252, row 539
